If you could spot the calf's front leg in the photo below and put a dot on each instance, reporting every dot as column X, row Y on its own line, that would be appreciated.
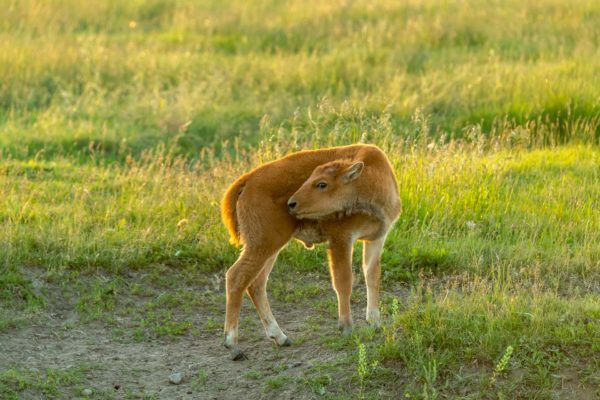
column 340, row 267
column 372, row 271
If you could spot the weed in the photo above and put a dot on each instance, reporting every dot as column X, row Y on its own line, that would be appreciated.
column 254, row 375
column 430, row 375
column 276, row 382
column 318, row 384
column 364, row 366
column 502, row 363
column 200, row 380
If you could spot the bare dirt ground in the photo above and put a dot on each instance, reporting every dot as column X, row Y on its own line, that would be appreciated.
column 108, row 355
column 143, row 369
column 116, row 366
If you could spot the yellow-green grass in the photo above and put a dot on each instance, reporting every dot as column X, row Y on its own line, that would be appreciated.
column 462, row 210
column 500, row 248
column 128, row 75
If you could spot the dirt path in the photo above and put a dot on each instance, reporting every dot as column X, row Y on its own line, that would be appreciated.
column 118, row 367
column 142, row 369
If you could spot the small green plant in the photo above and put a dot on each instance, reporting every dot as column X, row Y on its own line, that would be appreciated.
column 319, row 384
column 501, row 365
column 254, row 375
column 394, row 308
column 364, row 368
column 200, row 379
column 212, row 324
column 430, row 376
column 98, row 298
column 276, row 382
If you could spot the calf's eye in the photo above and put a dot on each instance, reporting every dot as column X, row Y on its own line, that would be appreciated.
column 322, row 185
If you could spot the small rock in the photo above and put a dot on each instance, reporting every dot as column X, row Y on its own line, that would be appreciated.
column 86, row 392
column 176, row 378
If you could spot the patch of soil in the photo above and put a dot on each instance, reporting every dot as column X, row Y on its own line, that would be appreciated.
column 126, row 368
column 144, row 367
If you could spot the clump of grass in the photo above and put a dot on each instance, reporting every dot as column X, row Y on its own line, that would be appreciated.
column 50, row 383
column 97, row 298
column 200, row 380
column 319, row 383
column 276, row 383
column 19, row 300
column 441, row 331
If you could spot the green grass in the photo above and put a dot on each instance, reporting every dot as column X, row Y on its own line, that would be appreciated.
column 117, row 78
column 19, row 299
column 123, row 123
column 16, row 382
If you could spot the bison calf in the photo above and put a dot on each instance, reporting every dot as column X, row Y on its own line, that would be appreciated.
column 339, row 195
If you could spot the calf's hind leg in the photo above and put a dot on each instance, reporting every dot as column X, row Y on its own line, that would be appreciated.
column 265, row 228
column 237, row 279
column 258, row 293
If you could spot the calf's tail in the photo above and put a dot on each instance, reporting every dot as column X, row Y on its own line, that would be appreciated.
column 229, row 211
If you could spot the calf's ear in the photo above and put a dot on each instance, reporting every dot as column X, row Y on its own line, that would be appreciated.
column 353, row 171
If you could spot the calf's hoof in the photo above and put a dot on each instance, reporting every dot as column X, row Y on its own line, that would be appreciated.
column 374, row 319
column 285, row 343
column 238, row 355
column 375, row 325
column 346, row 330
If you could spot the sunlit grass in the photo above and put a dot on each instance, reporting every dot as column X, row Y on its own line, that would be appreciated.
column 463, row 210
column 128, row 76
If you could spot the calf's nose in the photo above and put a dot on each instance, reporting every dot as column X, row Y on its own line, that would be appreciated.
column 292, row 204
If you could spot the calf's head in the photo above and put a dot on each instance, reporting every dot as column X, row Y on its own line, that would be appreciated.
column 330, row 188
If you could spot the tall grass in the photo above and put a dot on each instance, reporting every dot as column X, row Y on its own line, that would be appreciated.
column 125, row 76
column 467, row 206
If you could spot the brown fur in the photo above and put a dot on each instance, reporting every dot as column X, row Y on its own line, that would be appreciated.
column 228, row 210
column 339, row 195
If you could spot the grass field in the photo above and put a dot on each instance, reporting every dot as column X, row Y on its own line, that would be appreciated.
column 122, row 123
